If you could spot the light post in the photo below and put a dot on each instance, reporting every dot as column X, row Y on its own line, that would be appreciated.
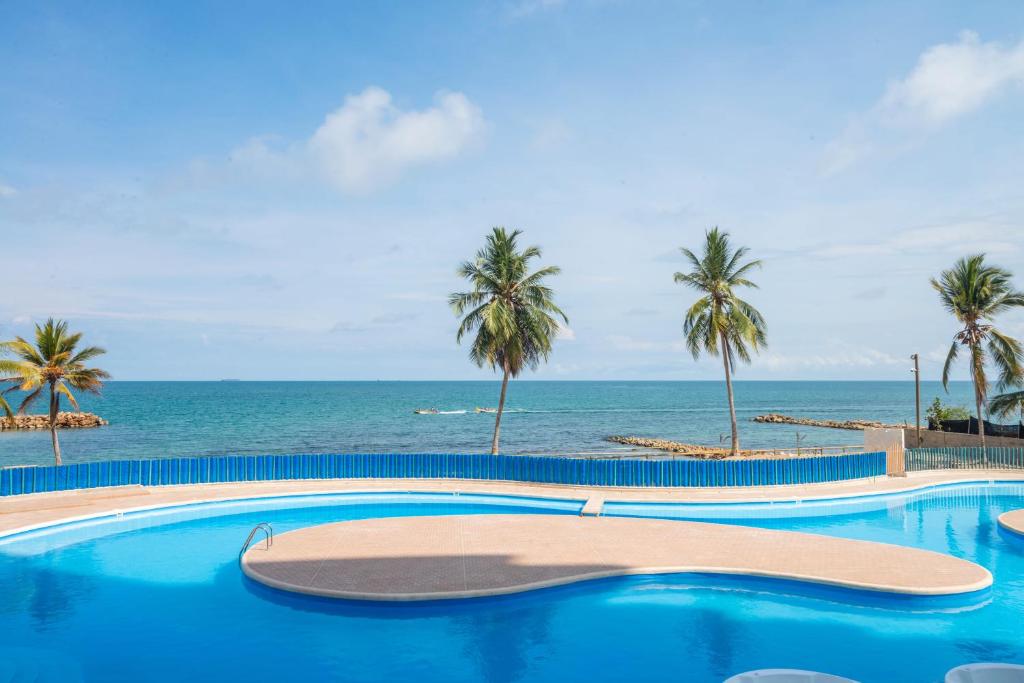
column 917, row 400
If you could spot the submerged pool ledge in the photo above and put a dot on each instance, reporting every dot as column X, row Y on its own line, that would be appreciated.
column 469, row 556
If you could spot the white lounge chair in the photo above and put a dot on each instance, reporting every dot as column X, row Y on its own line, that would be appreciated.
column 986, row 673
column 787, row 676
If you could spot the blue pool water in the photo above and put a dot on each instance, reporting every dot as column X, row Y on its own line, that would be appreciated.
column 159, row 596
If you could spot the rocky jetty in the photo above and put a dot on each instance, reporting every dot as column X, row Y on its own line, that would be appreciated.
column 688, row 449
column 776, row 418
column 64, row 421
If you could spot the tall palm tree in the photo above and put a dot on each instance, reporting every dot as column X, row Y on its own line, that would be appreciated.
column 53, row 363
column 511, row 310
column 719, row 322
column 975, row 292
column 1010, row 403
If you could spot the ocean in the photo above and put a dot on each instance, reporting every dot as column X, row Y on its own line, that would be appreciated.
column 163, row 419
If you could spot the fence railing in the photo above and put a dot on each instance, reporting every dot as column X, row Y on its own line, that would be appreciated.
column 964, row 458
column 535, row 469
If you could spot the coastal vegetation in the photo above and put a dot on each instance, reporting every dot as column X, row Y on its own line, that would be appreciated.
column 719, row 322
column 938, row 413
column 511, row 310
column 54, row 364
column 975, row 292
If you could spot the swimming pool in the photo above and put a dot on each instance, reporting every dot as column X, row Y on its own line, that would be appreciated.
column 159, row 596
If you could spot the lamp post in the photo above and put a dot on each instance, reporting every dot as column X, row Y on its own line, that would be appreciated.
column 917, row 400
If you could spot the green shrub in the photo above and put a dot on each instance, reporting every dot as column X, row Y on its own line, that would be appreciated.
column 939, row 413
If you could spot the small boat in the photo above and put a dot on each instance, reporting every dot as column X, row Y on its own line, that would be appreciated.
column 486, row 410
column 427, row 411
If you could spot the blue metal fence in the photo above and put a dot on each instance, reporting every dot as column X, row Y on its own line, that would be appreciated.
column 537, row 469
column 964, row 458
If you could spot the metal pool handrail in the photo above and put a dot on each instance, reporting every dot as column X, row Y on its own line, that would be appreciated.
column 262, row 526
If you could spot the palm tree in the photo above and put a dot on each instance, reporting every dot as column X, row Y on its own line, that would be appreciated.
column 54, row 363
column 719, row 322
column 511, row 309
column 1005, row 405
column 975, row 292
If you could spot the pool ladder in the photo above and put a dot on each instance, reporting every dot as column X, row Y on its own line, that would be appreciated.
column 268, row 532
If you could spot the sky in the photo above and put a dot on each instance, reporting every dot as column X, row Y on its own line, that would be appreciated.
column 285, row 190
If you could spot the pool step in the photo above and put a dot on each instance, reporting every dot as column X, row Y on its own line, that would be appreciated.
column 593, row 507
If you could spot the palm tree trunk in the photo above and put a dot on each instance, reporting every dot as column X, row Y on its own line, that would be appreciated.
column 977, row 407
column 501, row 408
column 54, row 404
column 728, row 390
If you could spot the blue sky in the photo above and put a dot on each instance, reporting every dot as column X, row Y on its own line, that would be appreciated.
column 285, row 192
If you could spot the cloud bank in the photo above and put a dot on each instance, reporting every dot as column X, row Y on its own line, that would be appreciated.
column 369, row 143
column 950, row 80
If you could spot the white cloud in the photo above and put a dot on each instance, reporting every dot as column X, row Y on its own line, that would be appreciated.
column 953, row 79
column 948, row 81
column 859, row 357
column 525, row 8
column 550, row 135
column 623, row 342
column 368, row 142
column 565, row 333
column 7, row 191
column 990, row 236
column 938, row 354
column 419, row 296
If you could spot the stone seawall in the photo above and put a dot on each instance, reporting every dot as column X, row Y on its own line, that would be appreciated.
column 64, row 421
column 776, row 418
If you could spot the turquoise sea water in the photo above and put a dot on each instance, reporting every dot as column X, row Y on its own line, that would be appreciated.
column 160, row 597
column 160, row 419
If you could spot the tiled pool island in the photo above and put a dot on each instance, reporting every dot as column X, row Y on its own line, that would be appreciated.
column 466, row 556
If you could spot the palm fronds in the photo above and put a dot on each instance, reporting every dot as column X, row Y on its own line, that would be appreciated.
column 511, row 310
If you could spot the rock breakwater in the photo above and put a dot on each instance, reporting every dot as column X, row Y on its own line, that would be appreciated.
column 687, row 449
column 64, row 421
column 776, row 418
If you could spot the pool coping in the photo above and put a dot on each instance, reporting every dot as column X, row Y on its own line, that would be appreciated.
column 30, row 512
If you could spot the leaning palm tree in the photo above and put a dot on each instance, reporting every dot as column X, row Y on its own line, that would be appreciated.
column 719, row 322
column 511, row 310
column 53, row 363
column 975, row 292
column 1009, row 404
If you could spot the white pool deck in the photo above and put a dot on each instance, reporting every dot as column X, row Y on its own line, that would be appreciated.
column 547, row 544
